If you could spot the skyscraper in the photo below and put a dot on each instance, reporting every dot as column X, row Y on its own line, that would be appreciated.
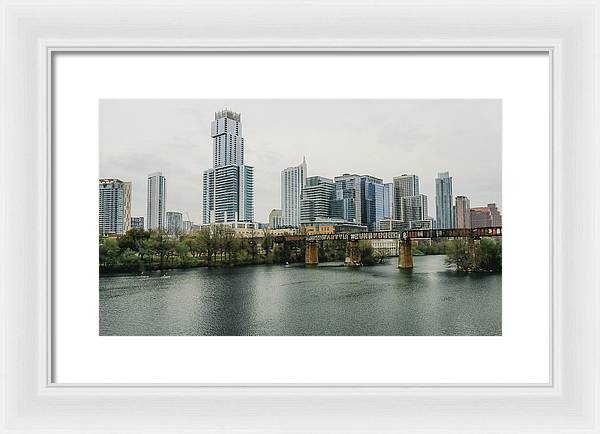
column 463, row 212
column 414, row 208
column 346, row 203
column 485, row 216
column 443, row 201
column 404, row 186
column 228, row 143
column 174, row 222
column 409, row 204
column 315, row 203
column 137, row 222
column 293, row 180
column 358, row 199
column 126, row 206
column 114, row 206
column 371, row 192
column 228, row 187
column 388, row 201
column 156, row 201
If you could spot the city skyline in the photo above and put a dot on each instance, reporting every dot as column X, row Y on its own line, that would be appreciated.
column 469, row 129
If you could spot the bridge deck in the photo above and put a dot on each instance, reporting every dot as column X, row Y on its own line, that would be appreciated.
column 492, row 231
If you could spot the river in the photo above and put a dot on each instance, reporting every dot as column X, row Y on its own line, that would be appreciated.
column 297, row 300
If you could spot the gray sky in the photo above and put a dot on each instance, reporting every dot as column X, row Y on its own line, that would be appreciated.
column 380, row 137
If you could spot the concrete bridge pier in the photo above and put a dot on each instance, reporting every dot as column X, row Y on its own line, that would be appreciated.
column 311, row 255
column 405, row 259
column 353, row 258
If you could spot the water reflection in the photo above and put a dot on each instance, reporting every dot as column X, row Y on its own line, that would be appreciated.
column 297, row 300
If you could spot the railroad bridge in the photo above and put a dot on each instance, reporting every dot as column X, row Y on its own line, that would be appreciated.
column 404, row 238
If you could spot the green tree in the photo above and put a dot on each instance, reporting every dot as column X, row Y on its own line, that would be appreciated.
column 485, row 255
column 458, row 255
column 207, row 242
column 130, row 259
column 267, row 242
column 366, row 253
column 109, row 252
column 490, row 255
column 133, row 239
column 182, row 251
column 160, row 244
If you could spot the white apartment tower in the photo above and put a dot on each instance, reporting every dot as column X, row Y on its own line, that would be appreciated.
column 156, row 201
column 114, row 206
column 293, row 180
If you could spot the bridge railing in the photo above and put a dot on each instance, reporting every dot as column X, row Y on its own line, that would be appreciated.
column 491, row 231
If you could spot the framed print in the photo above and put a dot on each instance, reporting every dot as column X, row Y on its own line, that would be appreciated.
column 354, row 217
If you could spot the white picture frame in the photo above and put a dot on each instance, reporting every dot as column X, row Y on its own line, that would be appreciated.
column 33, row 31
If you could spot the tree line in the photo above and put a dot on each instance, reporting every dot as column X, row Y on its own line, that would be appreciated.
column 139, row 250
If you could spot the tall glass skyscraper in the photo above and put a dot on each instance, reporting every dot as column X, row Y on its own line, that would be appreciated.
column 404, row 186
column 409, row 204
column 388, row 201
column 114, row 205
column 443, row 201
column 346, row 203
column 372, row 209
column 228, row 187
column 358, row 199
column 316, row 199
column 293, row 180
column 156, row 202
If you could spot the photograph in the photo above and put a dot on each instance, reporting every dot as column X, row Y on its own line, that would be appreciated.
column 300, row 217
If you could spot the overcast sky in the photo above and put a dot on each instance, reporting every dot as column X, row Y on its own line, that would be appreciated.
column 383, row 138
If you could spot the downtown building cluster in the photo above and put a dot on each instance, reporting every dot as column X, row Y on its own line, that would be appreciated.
column 115, row 208
column 366, row 202
column 348, row 202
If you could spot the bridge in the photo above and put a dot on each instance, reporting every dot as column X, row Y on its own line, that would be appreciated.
column 404, row 238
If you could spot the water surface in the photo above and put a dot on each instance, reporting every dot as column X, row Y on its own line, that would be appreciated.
column 296, row 300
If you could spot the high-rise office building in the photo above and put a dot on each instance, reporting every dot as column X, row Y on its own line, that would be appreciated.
column 443, row 201
column 388, row 201
column 485, row 216
column 174, row 222
column 359, row 199
column 137, row 222
column 409, row 204
column 346, row 203
column 414, row 208
column 228, row 187
column 275, row 219
column 315, row 203
column 114, row 206
column 404, row 185
column 293, row 180
column 463, row 212
column 372, row 206
column 481, row 217
column 156, row 202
